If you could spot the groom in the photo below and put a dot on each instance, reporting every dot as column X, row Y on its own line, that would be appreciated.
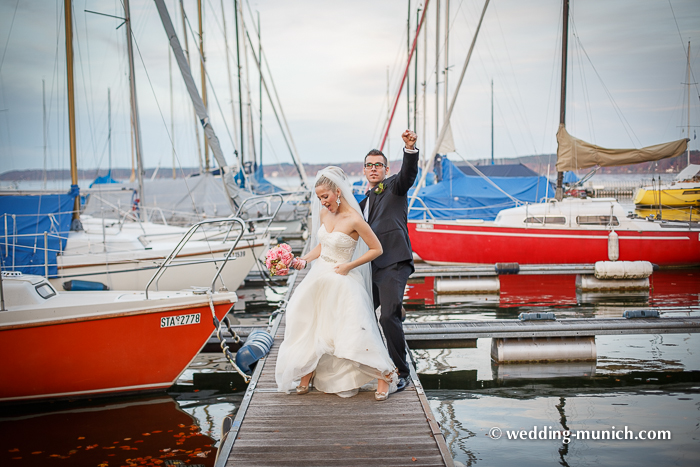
column 386, row 211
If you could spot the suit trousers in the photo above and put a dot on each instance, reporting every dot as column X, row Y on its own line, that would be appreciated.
column 388, row 285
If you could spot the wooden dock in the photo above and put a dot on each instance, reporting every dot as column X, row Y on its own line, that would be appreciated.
column 317, row 429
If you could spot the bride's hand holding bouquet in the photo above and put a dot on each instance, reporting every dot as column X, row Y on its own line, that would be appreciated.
column 280, row 259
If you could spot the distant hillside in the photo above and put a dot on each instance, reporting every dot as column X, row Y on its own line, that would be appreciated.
column 537, row 163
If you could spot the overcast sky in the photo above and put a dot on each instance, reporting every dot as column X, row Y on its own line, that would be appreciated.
column 331, row 61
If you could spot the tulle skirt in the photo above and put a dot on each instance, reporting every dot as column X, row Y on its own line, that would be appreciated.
column 331, row 329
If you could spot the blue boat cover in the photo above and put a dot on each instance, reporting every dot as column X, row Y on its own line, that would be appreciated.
column 34, row 215
column 359, row 188
column 570, row 177
column 500, row 170
column 261, row 185
column 105, row 179
column 459, row 196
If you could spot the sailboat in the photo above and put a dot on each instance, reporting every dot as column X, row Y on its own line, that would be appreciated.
column 101, row 342
column 119, row 248
column 564, row 230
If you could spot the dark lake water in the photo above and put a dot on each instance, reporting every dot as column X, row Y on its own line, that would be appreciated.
column 643, row 382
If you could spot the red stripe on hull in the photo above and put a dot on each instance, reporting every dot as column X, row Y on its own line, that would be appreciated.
column 125, row 353
column 490, row 245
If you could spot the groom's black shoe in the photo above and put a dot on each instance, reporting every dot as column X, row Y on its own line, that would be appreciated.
column 402, row 384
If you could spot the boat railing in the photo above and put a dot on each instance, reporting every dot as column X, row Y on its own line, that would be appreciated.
column 231, row 221
column 425, row 209
column 268, row 206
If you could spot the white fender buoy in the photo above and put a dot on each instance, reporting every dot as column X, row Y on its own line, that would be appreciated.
column 613, row 246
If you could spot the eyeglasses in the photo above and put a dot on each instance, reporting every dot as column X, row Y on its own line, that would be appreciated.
column 378, row 165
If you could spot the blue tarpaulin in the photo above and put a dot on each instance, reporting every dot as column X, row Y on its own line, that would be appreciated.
column 33, row 215
column 570, row 177
column 262, row 186
column 459, row 196
column 105, row 179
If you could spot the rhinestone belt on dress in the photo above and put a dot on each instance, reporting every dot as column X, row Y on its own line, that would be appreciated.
column 330, row 260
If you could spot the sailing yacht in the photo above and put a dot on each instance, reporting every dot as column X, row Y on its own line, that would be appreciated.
column 564, row 231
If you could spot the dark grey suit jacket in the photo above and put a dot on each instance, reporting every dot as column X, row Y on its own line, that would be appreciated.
column 388, row 214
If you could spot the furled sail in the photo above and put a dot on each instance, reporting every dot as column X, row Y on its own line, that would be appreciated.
column 574, row 154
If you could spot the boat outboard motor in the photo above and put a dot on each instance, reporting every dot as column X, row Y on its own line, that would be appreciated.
column 256, row 346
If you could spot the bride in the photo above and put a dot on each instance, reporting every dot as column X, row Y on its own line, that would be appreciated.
column 332, row 337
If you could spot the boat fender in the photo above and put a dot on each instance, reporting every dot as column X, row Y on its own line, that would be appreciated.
column 507, row 268
column 613, row 246
column 256, row 346
column 605, row 270
column 81, row 286
column 631, row 314
column 537, row 316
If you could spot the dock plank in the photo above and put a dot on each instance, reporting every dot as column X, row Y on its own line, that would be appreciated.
column 318, row 429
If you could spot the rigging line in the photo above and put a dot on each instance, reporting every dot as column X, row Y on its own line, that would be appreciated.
column 521, row 107
column 274, row 109
column 85, row 86
column 274, row 89
column 9, row 33
column 392, row 77
column 165, row 125
column 488, row 180
column 551, row 80
column 584, row 85
column 216, row 97
column 626, row 125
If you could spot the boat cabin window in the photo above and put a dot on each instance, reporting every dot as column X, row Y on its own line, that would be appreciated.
column 549, row 220
column 45, row 291
column 597, row 220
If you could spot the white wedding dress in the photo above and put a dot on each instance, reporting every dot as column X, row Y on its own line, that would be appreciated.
column 331, row 327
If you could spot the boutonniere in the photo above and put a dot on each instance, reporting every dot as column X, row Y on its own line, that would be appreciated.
column 379, row 188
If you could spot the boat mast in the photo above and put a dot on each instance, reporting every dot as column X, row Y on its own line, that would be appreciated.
column 492, row 162
column 559, row 194
column 203, row 76
column 172, row 110
column 415, row 80
column 260, row 85
column 228, row 69
column 194, row 112
column 134, row 110
column 227, row 178
column 447, row 55
column 71, row 106
column 240, row 92
column 109, row 128
column 405, row 75
column 408, row 77
column 437, row 70
column 43, row 99
column 687, row 133
column 448, row 115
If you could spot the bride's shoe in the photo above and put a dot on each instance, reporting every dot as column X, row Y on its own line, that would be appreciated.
column 301, row 390
column 382, row 395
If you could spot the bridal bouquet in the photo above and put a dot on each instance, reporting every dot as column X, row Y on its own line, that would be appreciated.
column 279, row 259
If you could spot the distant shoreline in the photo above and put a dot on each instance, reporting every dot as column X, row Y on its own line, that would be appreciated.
column 537, row 163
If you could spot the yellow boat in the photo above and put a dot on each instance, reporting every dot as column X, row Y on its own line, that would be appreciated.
column 684, row 191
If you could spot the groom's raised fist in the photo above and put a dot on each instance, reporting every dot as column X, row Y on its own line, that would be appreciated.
column 409, row 138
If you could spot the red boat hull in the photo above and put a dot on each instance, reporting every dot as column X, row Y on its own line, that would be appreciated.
column 117, row 353
column 453, row 243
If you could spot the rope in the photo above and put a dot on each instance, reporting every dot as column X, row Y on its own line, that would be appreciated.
column 224, row 346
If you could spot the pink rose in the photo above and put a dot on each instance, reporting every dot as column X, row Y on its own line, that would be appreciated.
column 286, row 257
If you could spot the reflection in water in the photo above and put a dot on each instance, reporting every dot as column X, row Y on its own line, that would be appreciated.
column 564, row 449
column 137, row 431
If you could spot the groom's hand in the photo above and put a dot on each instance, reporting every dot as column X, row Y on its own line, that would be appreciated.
column 409, row 138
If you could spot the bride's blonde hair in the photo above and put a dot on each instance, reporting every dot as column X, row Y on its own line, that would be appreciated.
column 327, row 182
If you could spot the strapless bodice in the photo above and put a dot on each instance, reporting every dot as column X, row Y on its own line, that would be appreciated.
column 336, row 247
